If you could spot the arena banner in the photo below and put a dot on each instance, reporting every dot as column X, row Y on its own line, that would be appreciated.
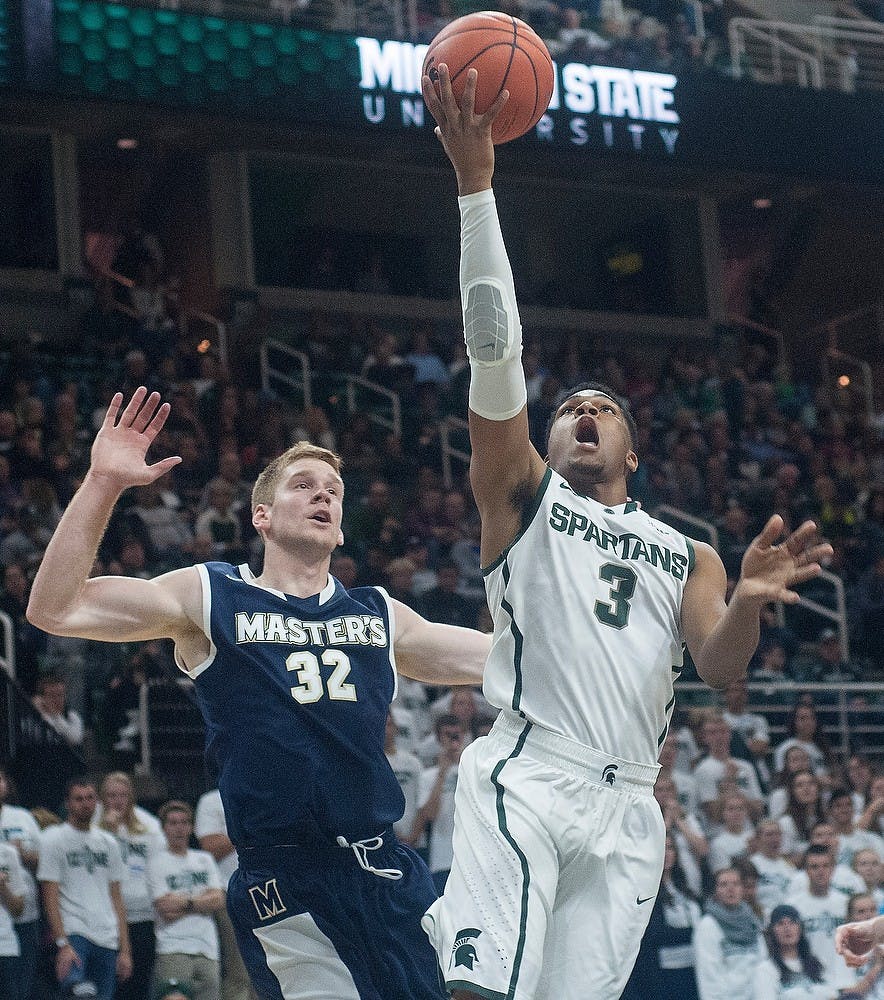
column 180, row 59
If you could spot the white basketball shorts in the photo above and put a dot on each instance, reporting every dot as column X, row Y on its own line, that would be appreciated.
column 558, row 854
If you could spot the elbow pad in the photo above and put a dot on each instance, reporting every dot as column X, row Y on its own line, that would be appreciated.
column 492, row 329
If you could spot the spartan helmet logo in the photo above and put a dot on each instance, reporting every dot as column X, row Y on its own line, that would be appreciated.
column 608, row 773
column 463, row 951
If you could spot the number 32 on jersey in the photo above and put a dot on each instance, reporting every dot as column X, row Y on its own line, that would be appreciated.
column 311, row 685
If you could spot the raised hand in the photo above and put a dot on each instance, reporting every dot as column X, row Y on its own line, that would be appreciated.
column 465, row 135
column 771, row 569
column 120, row 447
column 854, row 941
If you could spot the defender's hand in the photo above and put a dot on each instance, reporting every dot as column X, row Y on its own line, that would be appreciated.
column 119, row 449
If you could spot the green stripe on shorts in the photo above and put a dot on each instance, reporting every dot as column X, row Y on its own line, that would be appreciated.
column 526, row 875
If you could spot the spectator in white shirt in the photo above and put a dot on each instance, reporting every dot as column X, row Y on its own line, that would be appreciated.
column 867, row 864
column 80, row 873
column 718, row 772
column 859, row 780
column 727, row 942
column 408, row 770
column 804, row 732
column 752, row 728
column 738, row 831
column 796, row 759
column 685, row 784
column 822, row 909
column 211, row 832
column 140, row 838
column 51, row 702
column 844, row 879
column 775, row 873
column 436, row 809
column 804, row 808
column 19, row 829
column 851, row 839
column 872, row 817
column 685, row 829
column 186, row 889
column 792, row 971
column 12, row 903
column 688, row 752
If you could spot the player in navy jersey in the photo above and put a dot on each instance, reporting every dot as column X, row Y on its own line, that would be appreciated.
column 294, row 675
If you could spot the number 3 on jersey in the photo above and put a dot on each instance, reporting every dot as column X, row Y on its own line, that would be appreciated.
column 310, row 687
column 622, row 580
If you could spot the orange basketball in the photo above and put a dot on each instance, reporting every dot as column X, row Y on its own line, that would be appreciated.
column 508, row 55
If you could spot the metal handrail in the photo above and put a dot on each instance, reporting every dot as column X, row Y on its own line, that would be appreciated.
column 767, row 31
column 303, row 385
column 220, row 328
column 7, row 646
column 449, row 451
column 394, row 423
column 838, row 616
column 849, row 24
column 844, row 691
column 7, row 661
column 823, row 35
column 768, row 331
column 833, row 326
column 868, row 381
column 698, row 522
column 185, row 315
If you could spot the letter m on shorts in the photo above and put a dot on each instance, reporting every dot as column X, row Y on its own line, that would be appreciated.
column 267, row 901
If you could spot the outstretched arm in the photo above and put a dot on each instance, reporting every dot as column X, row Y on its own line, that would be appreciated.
column 64, row 600
column 435, row 653
column 722, row 637
column 505, row 467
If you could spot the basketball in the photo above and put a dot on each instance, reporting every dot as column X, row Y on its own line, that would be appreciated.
column 508, row 55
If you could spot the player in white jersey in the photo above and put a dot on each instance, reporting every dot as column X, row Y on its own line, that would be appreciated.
column 558, row 840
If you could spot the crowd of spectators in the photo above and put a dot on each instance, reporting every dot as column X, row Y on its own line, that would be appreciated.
column 665, row 36
column 770, row 845
column 727, row 435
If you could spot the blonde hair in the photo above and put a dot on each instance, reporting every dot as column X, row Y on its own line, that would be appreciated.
column 130, row 820
column 265, row 485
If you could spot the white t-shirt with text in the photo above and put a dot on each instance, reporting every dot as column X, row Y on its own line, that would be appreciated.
column 84, row 863
column 191, row 873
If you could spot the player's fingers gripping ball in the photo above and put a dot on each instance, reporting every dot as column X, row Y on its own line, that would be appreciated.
column 508, row 55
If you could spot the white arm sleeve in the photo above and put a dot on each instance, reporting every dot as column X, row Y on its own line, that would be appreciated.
column 492, row 329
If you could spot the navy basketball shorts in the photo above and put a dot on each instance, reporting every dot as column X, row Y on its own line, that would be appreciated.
column 315, row 925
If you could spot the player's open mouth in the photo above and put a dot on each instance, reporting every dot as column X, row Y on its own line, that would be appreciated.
column 322, row 516
column 587, row 432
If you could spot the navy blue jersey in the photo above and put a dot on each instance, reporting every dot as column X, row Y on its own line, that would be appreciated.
column 295, row 694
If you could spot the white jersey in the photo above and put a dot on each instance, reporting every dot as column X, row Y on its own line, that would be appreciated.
column 587, row 609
